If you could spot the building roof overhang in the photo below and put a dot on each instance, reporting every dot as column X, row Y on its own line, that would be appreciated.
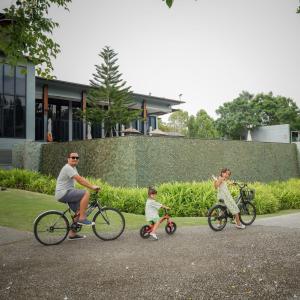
column 154, row 105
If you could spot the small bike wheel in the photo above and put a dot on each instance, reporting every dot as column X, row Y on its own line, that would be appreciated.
column 217, row 218
column 171, row 228
column 51, row 227
column 109, row 224
column 247, row 213
column 145, row 231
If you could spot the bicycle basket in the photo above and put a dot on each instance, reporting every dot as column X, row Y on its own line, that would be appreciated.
column 248, row 194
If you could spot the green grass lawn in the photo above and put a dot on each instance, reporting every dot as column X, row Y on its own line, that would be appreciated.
column 19, row 209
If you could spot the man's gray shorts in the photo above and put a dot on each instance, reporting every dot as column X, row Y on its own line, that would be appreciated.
column 72, row 198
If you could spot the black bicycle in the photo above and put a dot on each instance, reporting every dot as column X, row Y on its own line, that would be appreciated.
column 219, row 213
column 52, row 227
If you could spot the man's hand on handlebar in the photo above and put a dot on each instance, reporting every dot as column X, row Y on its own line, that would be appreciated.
column 96, row 188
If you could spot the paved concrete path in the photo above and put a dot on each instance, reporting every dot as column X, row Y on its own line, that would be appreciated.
column 260, row 262
column 10, row 235
column 288, row 221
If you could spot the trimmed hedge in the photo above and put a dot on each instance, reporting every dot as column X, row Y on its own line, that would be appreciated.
column 185, row 199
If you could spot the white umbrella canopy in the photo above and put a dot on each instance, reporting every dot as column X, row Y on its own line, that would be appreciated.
column 157, row 132
column 130, row 130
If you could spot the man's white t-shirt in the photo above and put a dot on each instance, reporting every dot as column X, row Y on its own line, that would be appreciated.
column 151, row 209
column 64, row 181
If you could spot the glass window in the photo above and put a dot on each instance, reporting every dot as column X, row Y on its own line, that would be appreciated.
column 1, row 121
column 152, row 122
column 39, row 120
column 8, row 117
column 21, row 81
column 20, row 117
column 1, row 78
column 9, row 82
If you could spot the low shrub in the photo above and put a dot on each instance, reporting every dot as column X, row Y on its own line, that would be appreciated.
column 185, row 199
column 288, row 193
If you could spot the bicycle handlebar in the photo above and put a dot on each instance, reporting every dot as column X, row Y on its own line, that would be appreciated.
column 241, row 185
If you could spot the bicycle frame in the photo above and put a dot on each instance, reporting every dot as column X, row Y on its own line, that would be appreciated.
column 91, row 207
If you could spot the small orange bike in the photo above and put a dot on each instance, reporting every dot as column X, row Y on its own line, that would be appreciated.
column 170, row 227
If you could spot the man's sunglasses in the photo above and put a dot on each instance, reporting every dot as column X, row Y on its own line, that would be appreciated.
column 74, row 157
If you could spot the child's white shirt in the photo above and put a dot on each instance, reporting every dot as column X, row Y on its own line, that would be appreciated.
column 151, row 209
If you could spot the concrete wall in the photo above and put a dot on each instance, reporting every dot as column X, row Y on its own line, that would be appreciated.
column 27, row 155
column 142, row 160
column 273, row 133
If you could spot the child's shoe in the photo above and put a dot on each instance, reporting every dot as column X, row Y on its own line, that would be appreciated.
column 241, row 226
column 153, row 236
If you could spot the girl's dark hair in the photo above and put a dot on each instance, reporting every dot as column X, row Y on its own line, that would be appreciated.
column 224, row 171
column 151, row 190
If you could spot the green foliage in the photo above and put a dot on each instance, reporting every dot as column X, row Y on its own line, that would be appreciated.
column 28, row 32
column 237, row 115
column 288, row 193
column 169, row 2
column 164, row 126
column 274, row 110
column 185, row 199
column 27, row 180
column 265, row 199
column 202, row 126
column 178, row 121
column 109, row 90
column 249, row 111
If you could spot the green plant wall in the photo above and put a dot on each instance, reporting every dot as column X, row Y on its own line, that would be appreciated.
column 142, row 160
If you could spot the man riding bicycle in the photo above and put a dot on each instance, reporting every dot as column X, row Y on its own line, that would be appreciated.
column 65, row 192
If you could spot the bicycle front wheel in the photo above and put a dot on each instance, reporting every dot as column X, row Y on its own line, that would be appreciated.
column 51, row 227
column 109, row 224
column 247, row 213
column 217, row 218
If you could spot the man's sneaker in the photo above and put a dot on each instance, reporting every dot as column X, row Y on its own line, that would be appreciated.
column 241, row 226
column 153, row 236
column 76, row 237
column 85, row 222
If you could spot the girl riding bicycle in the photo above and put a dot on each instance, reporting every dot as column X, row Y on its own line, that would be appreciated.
column 220, row 184
column 151, row 211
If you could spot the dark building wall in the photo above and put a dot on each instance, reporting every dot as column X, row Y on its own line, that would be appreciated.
column 142, row 160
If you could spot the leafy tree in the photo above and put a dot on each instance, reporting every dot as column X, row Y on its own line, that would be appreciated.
column 276, row 110
column 164, row 126
column 178, row 121
column 27, row 34
column 169, row 2
column 237, row 115
column 109, row 90
column 202, row 126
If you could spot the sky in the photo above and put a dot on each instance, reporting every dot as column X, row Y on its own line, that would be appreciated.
column 207, row 50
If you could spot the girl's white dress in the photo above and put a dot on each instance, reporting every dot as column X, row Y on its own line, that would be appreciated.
column 223, row 193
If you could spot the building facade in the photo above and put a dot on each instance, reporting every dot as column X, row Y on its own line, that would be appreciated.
column 31, row 106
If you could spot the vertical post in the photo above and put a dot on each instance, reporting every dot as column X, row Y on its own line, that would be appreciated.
column 83, row 103
column 103, row 127
column 70, row 121
column 46, row 109
column 145, row 116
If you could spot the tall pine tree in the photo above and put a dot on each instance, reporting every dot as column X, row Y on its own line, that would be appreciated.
column 108, row 98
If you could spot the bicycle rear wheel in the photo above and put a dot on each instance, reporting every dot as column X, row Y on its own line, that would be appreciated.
column 51, row 227
column 247, row 213
column 145, row 231
column 109, row 224
column 217, row 218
